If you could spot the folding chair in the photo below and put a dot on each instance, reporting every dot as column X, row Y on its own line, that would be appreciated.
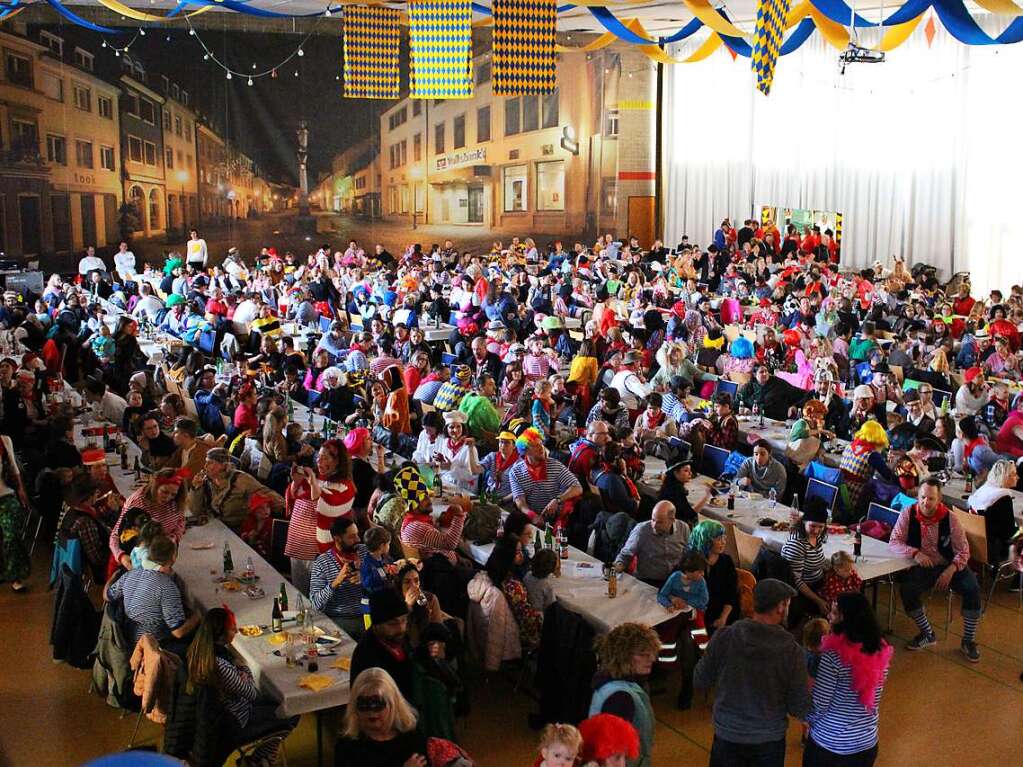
column 823, row 490
column 726, row 387
column 714, row 459
column 748, row 547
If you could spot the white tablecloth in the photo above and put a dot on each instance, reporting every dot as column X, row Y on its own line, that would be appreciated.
column 582, row 589
column 876, row 561
column 199, row 569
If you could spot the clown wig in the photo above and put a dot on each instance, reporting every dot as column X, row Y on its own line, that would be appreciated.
column 528, row 437
column 607, row 735
column 873, row 433
column 742, row 348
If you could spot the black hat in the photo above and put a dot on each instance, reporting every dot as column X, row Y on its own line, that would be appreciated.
column 386, row 605
column 815, row 510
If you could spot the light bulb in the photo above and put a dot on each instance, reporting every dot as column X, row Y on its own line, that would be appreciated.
column 104, row 43
column 142, row 31
column 117, row 53
column 228, row 75
column 301, row 52
column 250, row 81
column 191, row 32
column 296, row 73
column 206, row 57
column 253, row 66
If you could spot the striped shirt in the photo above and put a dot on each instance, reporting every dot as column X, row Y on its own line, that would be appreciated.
column 345, row 601
column 538, row 494
column 430, row 540
column 839, row 722
column 806, row 561
column 152, row 602
column 168, row 515
column 301, row 509
column 497, row 481
column 239, row 690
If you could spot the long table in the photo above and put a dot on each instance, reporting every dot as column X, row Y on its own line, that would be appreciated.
column 200, row 565
column 750, row 507
column 200, row 562
column 581, row 588
column 876, row 560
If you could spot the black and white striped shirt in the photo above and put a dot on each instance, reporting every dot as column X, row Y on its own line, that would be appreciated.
column 839, row 722
column 152, row 601
column 806, row 561
column 239, row 690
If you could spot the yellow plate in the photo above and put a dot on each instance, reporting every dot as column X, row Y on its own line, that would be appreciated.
column 250, row 631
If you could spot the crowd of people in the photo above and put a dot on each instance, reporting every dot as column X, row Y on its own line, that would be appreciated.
column 552, row 376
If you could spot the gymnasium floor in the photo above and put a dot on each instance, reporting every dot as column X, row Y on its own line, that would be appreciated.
column 937, row 709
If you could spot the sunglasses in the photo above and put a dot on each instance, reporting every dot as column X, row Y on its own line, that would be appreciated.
column 370, row 703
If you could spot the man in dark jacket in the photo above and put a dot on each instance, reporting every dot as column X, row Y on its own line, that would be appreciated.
column 759, row 672
column 771, row 394
column 386, row 644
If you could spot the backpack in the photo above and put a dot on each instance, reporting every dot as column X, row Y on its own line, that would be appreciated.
column 482, row 523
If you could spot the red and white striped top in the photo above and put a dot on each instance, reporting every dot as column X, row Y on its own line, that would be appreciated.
column 301, row 509
column 429, row 539
column 335, row 501
column 167, row 515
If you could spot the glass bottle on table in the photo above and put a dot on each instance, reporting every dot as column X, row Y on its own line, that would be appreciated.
column 773, row 495
column 794, row 515
column 276, row 617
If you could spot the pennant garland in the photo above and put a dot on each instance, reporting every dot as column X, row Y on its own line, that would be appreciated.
column 524, row 60
column 371, row 37
column 771, row 16
column 440, row 41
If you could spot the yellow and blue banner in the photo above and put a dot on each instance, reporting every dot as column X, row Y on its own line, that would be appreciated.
column 440, row 40
column 771, row 17
column 524, row 46
column 371, row 35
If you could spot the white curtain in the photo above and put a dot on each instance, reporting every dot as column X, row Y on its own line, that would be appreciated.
column 917, row 153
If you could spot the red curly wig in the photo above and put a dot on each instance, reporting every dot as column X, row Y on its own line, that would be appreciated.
column 606, row 735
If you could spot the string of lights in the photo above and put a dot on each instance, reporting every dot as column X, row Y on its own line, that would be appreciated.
column 256, row 73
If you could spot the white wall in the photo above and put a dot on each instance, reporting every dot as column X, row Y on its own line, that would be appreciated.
column 917, row 153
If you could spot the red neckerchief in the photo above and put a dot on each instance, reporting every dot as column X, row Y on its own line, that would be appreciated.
column 939, row 515
column 500, row 463
column 398, row 652
column 972, row 445
column 653, row 423
column 454, row 445
column 536, row 473
column 88, row 510
column 340, row 557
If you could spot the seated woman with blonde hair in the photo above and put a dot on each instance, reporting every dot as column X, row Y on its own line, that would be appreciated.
column 379, row 726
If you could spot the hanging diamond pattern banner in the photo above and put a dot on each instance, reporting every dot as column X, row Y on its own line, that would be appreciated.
column 371, row 35
column 771, row 17
column 440, row 39
column 524, row 39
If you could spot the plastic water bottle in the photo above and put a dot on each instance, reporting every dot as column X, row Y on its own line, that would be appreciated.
column 774, row 497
